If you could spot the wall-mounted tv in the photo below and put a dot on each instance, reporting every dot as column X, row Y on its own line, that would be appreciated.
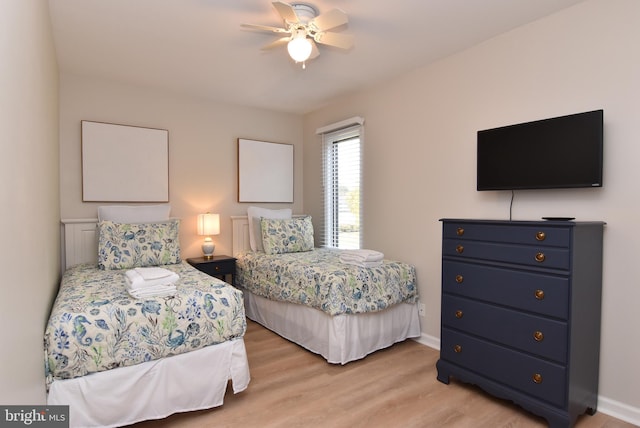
column 561, row 152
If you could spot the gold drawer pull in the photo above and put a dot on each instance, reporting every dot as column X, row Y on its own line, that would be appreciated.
column 460, row 231
column 217, row 267
column 457, row 349
column 459, row 249
column 540, row 257
column 537, row 378
column 539, row 294
column 540, row 236
column 538, row 336
column 459, row 314
column 459, row 279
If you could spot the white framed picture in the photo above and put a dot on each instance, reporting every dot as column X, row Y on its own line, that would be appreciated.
column 122, row 163
column 265, row 171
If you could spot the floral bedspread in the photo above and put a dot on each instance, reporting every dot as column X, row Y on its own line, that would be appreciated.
column 96, row 325
column 318, row 279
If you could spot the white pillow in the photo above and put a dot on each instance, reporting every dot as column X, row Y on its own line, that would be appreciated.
column 134, row 213
column 254, row 215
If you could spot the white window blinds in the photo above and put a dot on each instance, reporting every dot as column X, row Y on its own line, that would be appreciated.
column 342, row 145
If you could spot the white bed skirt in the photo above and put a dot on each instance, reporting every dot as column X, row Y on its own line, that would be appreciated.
column 155, row 389
column 339, row 339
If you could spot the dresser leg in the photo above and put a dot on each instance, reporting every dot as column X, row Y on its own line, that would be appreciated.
column 443, row 375
column 560, row 421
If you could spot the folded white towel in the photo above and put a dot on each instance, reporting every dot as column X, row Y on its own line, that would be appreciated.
column 148, row 273
column 362, row 258
column 154, row 291
column 361, row 255
column 135, row 281
column 362, row 264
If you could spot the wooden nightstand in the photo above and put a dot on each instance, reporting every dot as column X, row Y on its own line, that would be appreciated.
column 219, row 266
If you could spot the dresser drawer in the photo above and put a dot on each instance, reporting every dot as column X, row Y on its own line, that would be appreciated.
column 514, row 234
column 217, row 268
column 220, row 268
column 541, row 336
column 538, row 378
column 528, row 255
column 533, row 292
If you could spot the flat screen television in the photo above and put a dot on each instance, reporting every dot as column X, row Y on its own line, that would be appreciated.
column 561, row 152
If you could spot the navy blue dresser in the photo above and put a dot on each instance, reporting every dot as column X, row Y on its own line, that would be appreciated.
column 521, row 312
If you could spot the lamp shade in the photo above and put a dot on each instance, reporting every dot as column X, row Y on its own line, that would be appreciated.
column 299, row 48
column 208, row 224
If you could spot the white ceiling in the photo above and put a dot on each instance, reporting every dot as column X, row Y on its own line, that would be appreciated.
column 197, row 47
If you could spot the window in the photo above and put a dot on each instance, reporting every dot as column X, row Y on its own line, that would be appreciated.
column 342, row 187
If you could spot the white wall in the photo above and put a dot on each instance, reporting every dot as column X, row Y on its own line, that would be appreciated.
column 202, row 149
column 29, row 195
column 420, row 137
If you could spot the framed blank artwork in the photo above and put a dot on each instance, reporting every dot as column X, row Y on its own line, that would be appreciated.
column 265, row 171
column 122, row 163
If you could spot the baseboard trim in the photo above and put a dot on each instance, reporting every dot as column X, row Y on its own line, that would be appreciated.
column 427, row 340
column 619, row 410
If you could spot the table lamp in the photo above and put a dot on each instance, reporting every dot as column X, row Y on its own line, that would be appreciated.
column 208, row 225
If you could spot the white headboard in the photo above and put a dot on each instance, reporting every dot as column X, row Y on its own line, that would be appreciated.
column 80, row 242
column 240, row 230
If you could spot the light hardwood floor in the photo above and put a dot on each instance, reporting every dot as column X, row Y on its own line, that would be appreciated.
column 395, row 387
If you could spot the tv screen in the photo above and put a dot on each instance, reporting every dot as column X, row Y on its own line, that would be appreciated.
column 561, row 152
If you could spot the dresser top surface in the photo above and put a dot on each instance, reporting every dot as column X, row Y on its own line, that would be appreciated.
column 553, row 223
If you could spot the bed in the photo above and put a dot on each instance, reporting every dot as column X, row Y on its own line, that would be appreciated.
column 338, row 330
column 117, row 360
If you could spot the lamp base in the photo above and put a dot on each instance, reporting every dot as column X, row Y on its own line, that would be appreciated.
column 207, row 249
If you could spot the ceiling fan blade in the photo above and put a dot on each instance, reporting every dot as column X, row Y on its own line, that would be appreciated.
column 314, row 50
column 287, row 12
column 265, row 28
column 281, row 41
column 328, row 20
column 343, row 41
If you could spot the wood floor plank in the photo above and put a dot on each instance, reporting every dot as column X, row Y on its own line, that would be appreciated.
column 395, row 387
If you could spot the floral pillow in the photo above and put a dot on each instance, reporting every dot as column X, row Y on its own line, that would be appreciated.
column 127, row 245
column 287, row 235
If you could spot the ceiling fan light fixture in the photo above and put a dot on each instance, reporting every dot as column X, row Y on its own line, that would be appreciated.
column 299, row 47
column 304, row 29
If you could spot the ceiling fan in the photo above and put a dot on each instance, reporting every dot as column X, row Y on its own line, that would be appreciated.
column 303, row 28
